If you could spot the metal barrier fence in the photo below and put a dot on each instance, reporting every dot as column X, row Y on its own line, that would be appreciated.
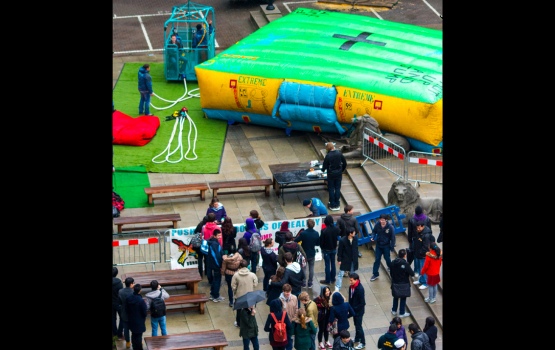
column 425, row 167
column 141, row 247
column 416, row 166
column 384, row 152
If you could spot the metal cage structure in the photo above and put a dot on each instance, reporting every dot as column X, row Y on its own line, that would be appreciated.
column 179, row 63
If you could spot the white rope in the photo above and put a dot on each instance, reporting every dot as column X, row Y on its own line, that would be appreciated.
column 180, row 120
column 186, row 95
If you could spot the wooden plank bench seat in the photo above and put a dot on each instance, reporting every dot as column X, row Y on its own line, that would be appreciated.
column 217, row 185
column 129, row 220
column 184, row 302
column 201, row 187
column 184, row 341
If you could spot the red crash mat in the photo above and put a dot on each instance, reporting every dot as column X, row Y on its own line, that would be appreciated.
column 133, row 131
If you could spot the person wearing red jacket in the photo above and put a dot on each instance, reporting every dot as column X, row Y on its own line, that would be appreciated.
column 432, row 264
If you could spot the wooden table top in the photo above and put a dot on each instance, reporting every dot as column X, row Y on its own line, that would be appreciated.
column 165, row 277
column 184, row 341
column 285, row 167
column 146, row 218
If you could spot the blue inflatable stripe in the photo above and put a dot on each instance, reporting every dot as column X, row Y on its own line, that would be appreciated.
column 308, row 95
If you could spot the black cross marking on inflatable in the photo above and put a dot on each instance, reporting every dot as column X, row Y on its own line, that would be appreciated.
column 361, row 38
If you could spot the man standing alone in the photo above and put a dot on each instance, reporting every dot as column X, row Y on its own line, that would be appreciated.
column 335, row 164
column 145, row 89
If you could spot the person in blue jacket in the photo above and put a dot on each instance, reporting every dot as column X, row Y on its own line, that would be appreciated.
column 316, row 207
column 200, row 40
column 342, row 311
column 145, row 89
column 136, row 316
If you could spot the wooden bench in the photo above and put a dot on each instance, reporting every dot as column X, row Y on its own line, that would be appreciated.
column 129, row 220
column 334, row 214
column 266, row 183
column 186, row 302
column 202, row 187
column 184, row 341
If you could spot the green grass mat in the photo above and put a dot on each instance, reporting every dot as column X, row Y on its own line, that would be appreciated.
column 129, row 183
column 210, row 132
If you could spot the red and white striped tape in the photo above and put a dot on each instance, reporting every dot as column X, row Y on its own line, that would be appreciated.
column 152, row 240
column 426, row 161
column 385, row 147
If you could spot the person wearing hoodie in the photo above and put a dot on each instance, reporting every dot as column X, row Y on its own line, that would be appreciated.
column 317, row 208
column 230, row 265
column 117, row 331
column 209, row 227
column 310, row 239
column 250, row 228
column 328, row 244
column 387, row 340
column 289, row 246
column 156, row 291
column 418, row 216
column 249, row 328
column 269, row 261
column 323, row 303
column 383, row 234
column 342, row 311
column 400, row 274
column 334, row 165
column 347, row 256
column 304, row 330
column 343, row 341
column 401, row 332
column 145, row 89
column 217, row 208
column 280, row 235
column 421, row 245
column 136, row 314
column 348, row 220
column 432, row 265
column 294, row 274
column 214, row 262
column 277, row 309
column 242, row 282
column 125, row 293
column 420, row 340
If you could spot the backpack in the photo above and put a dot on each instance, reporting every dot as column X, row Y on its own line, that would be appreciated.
column 280, row 333
column 157, row 306
column 204, row 247
column 196, row 240
column 256, row 242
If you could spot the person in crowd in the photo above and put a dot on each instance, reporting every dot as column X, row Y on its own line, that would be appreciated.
column 384, row 236
column 217, row 208
column 401, row 332
column 230, row 265
column 145, row 89
column 156, row 291
column 341, row 310
column 123, row 294
column 257, row 220
column 117, row 285
column 387, row 340
column 200, row 256
column 229, row 234
column 358, row 301
column 269, row 262
column 274, row 287
column 419, row 338
column 348, row 220
column 418, row 216
column 304, row 330
column 432, row 265
column 214, row 261
column 323, row 303
column 136, row 314
column 421, row 245
column 242, row 282
column 347, row 256
column 400, row 344
column 280, row 235
column 294, row 274
column 316, row 207
column 249, row 328
column 201, row 40
column 431, row 331
column 400, row 274
column 289, row 246
column 328, row 244
column 277, row 309
column 334, row 165
column 310, row 239
column 244, row 249
column 343, row 341
column 250, row 228
column 290, row 303
column 311, row 314
column 209, row 227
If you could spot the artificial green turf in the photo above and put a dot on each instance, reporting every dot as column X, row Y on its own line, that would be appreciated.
column 130, row 183
column 210, row 132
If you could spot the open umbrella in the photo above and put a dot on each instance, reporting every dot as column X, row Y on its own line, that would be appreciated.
column 249, row 299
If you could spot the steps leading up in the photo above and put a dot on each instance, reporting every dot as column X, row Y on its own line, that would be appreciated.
column 263, row 16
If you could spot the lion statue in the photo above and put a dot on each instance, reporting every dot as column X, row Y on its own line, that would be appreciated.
column 405, row 196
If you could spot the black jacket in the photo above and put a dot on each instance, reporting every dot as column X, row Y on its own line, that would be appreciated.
column 347, row 220
column 291, row 247
column 347, row 253
column 328, row 237
column 384, row 236
column 400, row 271
column 411, row 227
column 116, row 286
column 136, row 313
column 335, row 164
column 310, row 239
column 421, row 243
column 418, row 340
column 269, row 260
column 294, row 275
column 357, row 300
